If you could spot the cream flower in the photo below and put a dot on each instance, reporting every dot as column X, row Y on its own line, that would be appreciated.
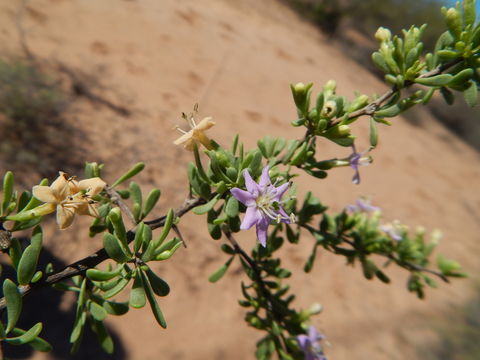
column 196, row 134
column 70, row 196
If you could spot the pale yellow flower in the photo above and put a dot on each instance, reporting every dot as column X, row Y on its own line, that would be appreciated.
column 196, row 135
column 69, row 196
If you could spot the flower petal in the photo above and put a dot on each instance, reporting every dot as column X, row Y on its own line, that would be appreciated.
column 264, row 178
column 92, row 185
column 243, row 196
column 65, row 216
column 205, row 124
column 44, row 193
column 356, row 177
column 262, row 227
column 184, row 138
column 303, row 342
column 60, row 186
column 281, row 190
column 252, row 217
column 202, row 138
column 251, row 185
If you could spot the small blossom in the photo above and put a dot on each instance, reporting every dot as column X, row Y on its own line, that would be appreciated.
column 69, row 196
column 358, row 159
column 362, row 205
column 263, row 201
column 196, row 134
column 310, row 344
column 394, row 230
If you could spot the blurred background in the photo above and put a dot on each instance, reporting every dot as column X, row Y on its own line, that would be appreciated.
column 107, row 81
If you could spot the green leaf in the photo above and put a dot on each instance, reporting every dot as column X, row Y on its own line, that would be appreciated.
column 114, row 248
column 130, row 173
column 159, row 286
column 231, row 208
column 373, row 133
column 14, row 303
column 116, row 289
column 26, row 337
column 151, row 201
column 38, row 343
column 136, row 193
column 471, row 94
column 139, row 237
column 103, row 337
column 97, row 311
column 153, row 303
column 116, row 308
column 166, row 228
column 115, row 217
column 462, row 77
column 137, row 294
column 438, row 80
column 28, row 262
column 7, row 191
column 218, row 274
column 78, row 327
column 389, row 111
column 202, row 209
column 99, row 275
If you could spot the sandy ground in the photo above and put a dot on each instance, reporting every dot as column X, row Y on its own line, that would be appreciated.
column 237, row 59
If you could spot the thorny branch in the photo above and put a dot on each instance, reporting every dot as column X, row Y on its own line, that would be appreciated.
column 99, row 256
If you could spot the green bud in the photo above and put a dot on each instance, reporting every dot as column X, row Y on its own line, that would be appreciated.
column 383, row 34
column 454, row 21
column 329, row 109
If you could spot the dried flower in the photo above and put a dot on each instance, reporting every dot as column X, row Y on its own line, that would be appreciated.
column 263, row 201
column 69, row 196
column 196, row 134
column 310, row 344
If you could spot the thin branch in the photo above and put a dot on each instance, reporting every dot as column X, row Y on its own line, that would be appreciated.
column 373, row 106
column 99, row 256
column 117, row 200
column 404, row 264
column 263, row 289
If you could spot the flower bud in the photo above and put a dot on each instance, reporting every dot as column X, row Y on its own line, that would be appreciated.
column 329, row 109
column 299, row 89
column 383, row 34
column 331, row 85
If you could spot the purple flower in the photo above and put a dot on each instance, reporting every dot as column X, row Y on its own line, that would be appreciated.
column 394, row 230
column 263, row 204
column 362, row 205
column 357, row 159
column 310, row 344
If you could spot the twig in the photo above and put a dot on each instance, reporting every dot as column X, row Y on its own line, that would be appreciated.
column 117, row 200
column 99, row 256
column 253, row 265
column 404, row 264
column 373, row 106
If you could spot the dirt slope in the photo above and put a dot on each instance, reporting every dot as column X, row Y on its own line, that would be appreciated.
column 237, row 59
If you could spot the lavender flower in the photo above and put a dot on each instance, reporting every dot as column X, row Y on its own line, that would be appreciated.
column 310, row 345
column 362, row 205
column 394, row 230
column 263, row 204
column 357, row 159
